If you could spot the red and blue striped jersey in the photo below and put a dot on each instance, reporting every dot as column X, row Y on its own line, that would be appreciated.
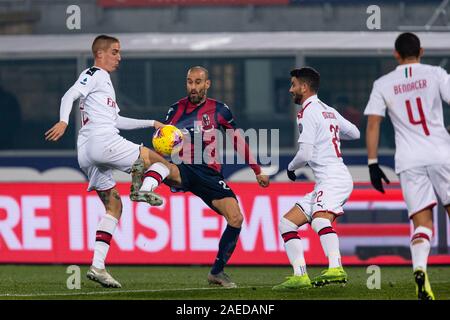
column 206, row 119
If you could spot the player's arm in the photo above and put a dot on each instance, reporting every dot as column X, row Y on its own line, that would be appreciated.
column 226, row 121
column 444, row 84
column 375, row 111
column 307, row 135
column 304, row 154
column 124, row 123
column 373, row 136
column 82, row 87
column 57, row 131
column 347, row 130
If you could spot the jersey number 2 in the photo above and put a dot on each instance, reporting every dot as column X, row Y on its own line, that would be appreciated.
column 421, row 120
column 224, row 185
column 335, row 140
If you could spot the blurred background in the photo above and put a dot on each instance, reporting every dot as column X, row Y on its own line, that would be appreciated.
column 248, row 59
column 249, row 48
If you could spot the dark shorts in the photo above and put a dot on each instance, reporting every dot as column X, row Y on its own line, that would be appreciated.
column 205, row 182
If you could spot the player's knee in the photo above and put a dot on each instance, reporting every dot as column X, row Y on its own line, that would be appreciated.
column 318, row 224
column 235, row 220
column 151, row 157
column 285, row 225
column 324, row 215
column 174, row 172
column 145, row 155
column 148, row 156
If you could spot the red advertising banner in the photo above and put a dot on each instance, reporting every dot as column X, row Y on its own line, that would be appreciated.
column 161, row 3
column 56, row 223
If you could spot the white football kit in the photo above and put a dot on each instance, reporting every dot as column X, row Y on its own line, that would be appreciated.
column 100, row 147
column 413, row 95
column 321, row 128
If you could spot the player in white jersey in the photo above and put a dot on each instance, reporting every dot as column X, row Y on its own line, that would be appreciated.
column 321, row 128
column 412, row 94
column 101, row 149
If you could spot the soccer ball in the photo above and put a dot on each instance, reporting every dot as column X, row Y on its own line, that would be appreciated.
column 167, row 140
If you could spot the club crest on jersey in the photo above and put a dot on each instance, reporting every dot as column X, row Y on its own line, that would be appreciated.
column 206, row 122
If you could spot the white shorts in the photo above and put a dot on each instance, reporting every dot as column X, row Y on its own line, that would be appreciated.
column 328, row 196
column 420, row 185
column 99, row 155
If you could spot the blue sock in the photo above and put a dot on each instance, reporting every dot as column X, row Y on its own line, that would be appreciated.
column 227, row 244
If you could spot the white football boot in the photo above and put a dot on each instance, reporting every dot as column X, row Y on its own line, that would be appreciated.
column 103, row 277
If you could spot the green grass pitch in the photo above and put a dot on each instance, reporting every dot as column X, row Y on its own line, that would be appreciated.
column 189, row 282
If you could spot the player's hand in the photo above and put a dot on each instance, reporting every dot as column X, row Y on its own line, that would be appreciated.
column 376, row 174
column 56, row 131
column 291, row 175
column 158, row 125
column 263, row 180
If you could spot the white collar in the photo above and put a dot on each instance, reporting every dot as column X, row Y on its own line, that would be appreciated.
column 310, row 99
column 407, row 65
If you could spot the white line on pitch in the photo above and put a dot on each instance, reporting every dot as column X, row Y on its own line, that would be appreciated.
column 113, row 291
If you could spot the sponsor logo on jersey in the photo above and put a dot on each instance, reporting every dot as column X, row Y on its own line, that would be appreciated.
column 84, row 81
column 110, row 102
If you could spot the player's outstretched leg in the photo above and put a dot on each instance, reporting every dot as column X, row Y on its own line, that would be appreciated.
column 145, row 181
column 137, row 178
column 420, row 249
column 137, row 175
column 330, row 244
column 149, row 197
column 294, row 250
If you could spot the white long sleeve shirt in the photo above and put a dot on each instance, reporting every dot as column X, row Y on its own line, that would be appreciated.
column 320, row 129
column 98, row 106
column 412, row 94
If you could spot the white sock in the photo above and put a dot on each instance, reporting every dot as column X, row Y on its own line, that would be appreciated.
column 293, row 245
column 149, row 184
column 329, row 241
column 103, row 237
column 154, row 175
column 421, row 250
